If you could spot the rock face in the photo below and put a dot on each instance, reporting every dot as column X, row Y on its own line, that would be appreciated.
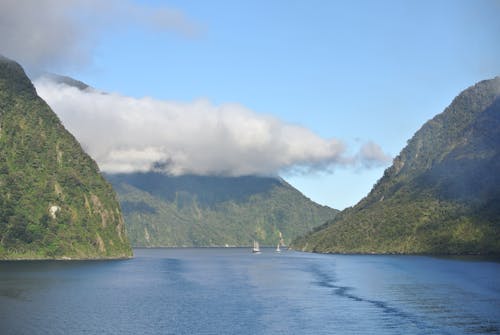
column 442, row 193
column 54, row 203
column 189, row 210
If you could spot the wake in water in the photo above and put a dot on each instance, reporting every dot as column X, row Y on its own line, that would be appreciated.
column 398, row 317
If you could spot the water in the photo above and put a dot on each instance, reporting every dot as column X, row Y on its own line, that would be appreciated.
column 231, row 291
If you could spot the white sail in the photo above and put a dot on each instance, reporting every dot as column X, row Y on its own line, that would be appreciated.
column 256, row 248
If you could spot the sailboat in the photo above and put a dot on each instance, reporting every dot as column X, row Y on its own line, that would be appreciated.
column 256, row 249
column 281, row 242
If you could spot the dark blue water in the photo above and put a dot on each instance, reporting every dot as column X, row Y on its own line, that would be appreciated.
column 231, row 291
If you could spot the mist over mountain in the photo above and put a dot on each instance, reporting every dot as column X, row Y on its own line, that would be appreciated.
column 54, row 203
column 442, row 193
column 197, row 174
column 125, row 134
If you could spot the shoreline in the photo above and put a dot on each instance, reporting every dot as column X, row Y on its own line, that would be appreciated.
column 66, row 259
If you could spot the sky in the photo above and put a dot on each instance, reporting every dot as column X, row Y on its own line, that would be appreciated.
column 322, row 93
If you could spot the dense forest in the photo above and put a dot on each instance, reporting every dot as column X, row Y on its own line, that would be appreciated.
column 54, row 203
column 162, row 210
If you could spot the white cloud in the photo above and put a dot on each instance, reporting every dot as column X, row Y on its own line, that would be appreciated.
column 372, row 155
column 125, row 134
column 54, row 34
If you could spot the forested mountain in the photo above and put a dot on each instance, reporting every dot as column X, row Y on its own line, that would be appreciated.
column 162, row 210
column 53, row 201
column 442, row 193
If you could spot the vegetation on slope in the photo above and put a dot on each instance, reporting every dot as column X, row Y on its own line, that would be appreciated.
column 442, row 193
column 163, row 210
column 53, row 201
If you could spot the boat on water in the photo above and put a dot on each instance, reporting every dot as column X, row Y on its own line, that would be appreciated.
column 256, row 248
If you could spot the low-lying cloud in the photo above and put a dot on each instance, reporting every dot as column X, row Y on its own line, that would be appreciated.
column 371, row 155
column 125, row 134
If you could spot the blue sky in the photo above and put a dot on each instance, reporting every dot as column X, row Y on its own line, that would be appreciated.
column 357, row 71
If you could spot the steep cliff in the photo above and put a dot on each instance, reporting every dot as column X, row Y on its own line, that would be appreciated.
column 54, row 203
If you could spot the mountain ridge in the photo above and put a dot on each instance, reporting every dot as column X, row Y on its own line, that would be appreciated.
column 441, row 193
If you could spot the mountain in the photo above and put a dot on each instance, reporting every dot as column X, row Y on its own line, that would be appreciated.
column 54, row 203
column 56, row 78
column 162, row 210
column 442, row 193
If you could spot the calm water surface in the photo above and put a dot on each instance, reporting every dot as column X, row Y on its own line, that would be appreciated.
column 231, row 291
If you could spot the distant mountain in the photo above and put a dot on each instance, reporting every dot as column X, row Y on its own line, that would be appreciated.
column 190, row 210
column 67, row 81
column 53, row 201
column 442, row 193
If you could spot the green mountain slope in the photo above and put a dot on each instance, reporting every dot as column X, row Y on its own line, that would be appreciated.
column 162, row 210
column 53, row 201
column 442, row 193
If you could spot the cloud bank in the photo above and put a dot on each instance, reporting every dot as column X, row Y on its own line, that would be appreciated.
column 125, row 134
column 48, row 34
